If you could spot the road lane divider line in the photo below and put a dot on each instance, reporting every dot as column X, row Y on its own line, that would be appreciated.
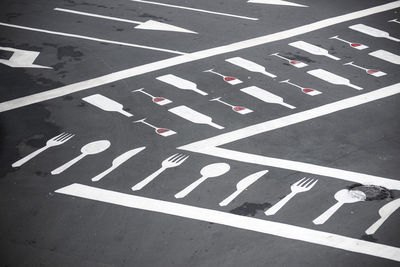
column 90, row 38
column 147, row 25
column 174, row 61
column 237, row 221
column 194, row 9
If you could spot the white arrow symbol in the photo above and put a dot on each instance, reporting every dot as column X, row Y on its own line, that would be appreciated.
column 275, row 2
column 147, row 25
column 21, row 58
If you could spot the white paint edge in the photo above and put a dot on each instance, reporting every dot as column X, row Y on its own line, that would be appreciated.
column 276, row 2
column 209, row 146
column 135, row 71
column 194, row 9
column 237, row 221
column 147, row 25
column 90, row 38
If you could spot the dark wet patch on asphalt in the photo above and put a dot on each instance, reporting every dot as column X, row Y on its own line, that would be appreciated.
column 12, row 15
column 299, row 58
column 67, row 98
column 5, row 54
column 372, row 192
column 14, row 134
column 250, row 208
column 369, row 238
column 149, row 16
column 69, row 51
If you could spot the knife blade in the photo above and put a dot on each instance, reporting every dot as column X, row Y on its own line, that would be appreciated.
column 118, row 161
column 242, row 185
column 385, row 211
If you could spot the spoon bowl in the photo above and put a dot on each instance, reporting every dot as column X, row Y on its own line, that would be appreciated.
column 214, row 170
column 95, row 147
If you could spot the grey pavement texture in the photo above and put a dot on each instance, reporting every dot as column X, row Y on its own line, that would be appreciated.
column 39, row 227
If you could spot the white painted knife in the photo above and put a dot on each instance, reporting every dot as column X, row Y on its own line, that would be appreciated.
column 118, row 161
column 242, row 185
column 384, row 212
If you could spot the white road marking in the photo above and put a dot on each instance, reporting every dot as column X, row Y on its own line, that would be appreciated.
column 194, row 9
column 265, row 96
column 387, row 56
column 332, row 78
column 147, row 25
column 209, row 146
column 313, row 49
column 21, row 58
column 90, row 38
column 135, row 71
column 373, row 32
column 275, row 2
column 237, row 221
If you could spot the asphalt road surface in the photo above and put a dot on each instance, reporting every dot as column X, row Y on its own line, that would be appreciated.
column 108, row 120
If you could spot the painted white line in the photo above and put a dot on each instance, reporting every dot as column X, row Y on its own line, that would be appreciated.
column 21, row 58
column 135, row 71
column 209, row 146
column 237, row 221
column 345, row 175
column 387, row 56
column 90, row 38
column 147, row 25
column 275, row 2
column 194, row 9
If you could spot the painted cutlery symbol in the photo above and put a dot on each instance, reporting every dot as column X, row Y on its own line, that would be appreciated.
column 170, row 162
column 229, row 79
column 343, row 196
column 156, row 99
column 307, row 91
column 238, row 109
column 332, row 78
column 194, row 116
column 243, row 185
column 302, row 185
column 265, row 96
column 394, row 20
column 384, row 213
column 373, row 72
column 160, row 131
column 313, row 49
column 249, row 65
column 88, row 149
column 354, row 45
column 180, row 83
column 55, row 141
column 106, row 104
column 296, row 63
column 373, row 32
column 209, row 171
column 118, row 161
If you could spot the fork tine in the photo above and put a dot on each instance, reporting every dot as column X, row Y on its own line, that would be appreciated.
column 67, row 137
column 62, row 137
column 299, row 181
column 171, row 157
column 309, row 186
column 178, row 158
column 306, row 181
column 58, row 136
column 181, row 160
